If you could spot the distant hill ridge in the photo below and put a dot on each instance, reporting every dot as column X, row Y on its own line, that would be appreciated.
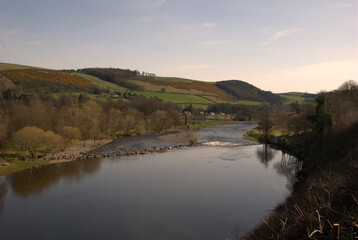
column 170, row 89
column 245, row 91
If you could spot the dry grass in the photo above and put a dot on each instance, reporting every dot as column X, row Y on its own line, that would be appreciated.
column 38, row 75
column 323, row 208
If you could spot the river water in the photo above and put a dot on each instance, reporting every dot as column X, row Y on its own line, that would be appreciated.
column 217, row 191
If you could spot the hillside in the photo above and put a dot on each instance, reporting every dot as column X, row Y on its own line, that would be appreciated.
column 245, row 91
column 291, row 97
column 101, row 83
column 11, row 66
column 37, row 78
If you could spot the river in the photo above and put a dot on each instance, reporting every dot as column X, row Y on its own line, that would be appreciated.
column 216, row 191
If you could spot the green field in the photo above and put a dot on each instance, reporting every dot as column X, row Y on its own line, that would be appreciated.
column 99, row 82
column 248, row 102
column 173, row 79
column 175, row 98
column 10, row 66
column 293, row 97
column 169, row 89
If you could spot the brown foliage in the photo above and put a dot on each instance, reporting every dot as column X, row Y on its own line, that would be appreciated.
column 36, row 75
column 31, row 139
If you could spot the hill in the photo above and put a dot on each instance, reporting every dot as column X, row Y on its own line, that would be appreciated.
column 245, row 91
column 37, row 78
column 103, row 83
column 11, row 66
column 117, row 76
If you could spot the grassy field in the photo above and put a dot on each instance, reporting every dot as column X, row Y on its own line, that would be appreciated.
column 174, row 98
column 99, row 82
column 10, row 66
column 173, row 79
column 170, row 89
column 248, row 102
column 293, row 97
column 8, row 167
column 186, row 86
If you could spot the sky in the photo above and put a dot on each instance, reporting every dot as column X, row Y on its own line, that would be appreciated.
column 276, row 45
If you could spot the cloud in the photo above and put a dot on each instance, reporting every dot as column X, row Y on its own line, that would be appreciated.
column 209, row 24
column 212, row 43
column 274, row 36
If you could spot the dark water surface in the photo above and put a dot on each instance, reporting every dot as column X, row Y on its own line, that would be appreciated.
column 205, row 192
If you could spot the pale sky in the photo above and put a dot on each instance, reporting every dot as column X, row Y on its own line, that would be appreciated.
column 276, row 45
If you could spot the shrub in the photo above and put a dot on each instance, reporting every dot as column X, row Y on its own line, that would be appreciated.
column 32, row 139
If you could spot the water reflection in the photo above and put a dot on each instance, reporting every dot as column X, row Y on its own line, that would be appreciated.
column 265, row 154
column 288, row 167
column 191, row 191
column 36, row 180
column 3, row 191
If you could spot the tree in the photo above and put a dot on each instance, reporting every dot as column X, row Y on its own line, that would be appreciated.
column 114, row 121
column 3, row 131
column 266, row 125
column 32, row 139
column 159, row 120
column 70, row 133
column 89, row 120
column 28, row 139
column 322, row 119
column 52, row 141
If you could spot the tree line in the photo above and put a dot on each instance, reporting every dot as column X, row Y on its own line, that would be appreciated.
column 48, row 123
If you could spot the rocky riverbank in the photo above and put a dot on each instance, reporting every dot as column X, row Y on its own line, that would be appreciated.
column 125, row 146
column 75, row 151
column 99, row 153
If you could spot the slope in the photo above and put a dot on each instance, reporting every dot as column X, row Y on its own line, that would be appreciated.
column 103, row 83
column 245, row 91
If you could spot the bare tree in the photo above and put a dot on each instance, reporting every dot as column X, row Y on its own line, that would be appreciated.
column 266, row 125
column 69, row 134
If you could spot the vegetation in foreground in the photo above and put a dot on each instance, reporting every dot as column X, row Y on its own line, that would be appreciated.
column 324, row 203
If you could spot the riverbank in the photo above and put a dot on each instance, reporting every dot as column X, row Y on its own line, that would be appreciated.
column 324, row 202
column 71, row 153
column 172, row 138
column 191, row 182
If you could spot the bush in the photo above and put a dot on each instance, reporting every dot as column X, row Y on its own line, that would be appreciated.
column 32, row 139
